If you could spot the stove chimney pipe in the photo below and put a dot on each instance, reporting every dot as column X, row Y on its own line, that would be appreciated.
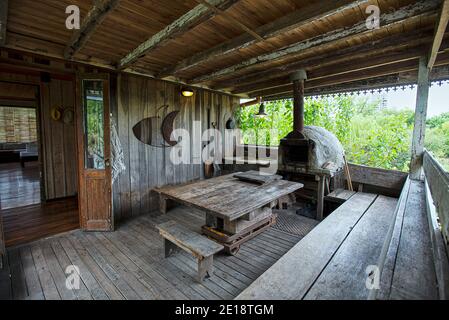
column 298, row 79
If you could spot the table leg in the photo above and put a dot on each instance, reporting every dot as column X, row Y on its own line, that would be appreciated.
column 163, row 204
column 169, row 248
column 205, row 267
column 320, row 199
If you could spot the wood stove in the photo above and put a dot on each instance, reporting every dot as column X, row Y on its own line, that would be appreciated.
column 309, row 153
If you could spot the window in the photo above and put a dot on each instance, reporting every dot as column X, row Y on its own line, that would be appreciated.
column 17, row 125
column 94, row 124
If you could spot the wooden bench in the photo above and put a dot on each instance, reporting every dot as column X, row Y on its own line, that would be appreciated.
column 331, row 261
column 176, row 236
column 339, row 196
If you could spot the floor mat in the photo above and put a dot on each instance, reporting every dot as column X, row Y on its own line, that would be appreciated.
column 295, row 224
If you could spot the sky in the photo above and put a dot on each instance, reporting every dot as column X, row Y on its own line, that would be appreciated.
column 438, row 99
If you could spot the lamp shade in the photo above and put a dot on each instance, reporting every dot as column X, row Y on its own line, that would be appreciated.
column 187, row 92
column 261, row 112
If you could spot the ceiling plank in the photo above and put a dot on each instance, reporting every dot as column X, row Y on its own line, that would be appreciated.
column 3, row 21
column 439, row 33
column 419, row 8
column 188, row 21
column 94, row 18
column 232, row 19
column 388, row 45
column 289, row 22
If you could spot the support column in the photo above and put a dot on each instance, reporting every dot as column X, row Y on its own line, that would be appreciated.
column 420, row 120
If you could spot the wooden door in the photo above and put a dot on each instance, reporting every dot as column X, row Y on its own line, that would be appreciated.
column 93, row 125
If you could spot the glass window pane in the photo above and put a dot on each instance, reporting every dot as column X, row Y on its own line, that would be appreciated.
column 93, row 124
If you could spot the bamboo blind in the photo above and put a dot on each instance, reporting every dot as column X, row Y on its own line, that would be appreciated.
column 17, row 125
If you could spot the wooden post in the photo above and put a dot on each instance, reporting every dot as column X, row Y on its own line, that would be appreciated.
column 3, row 21
column 320, row 199
column 298, row 100
column 420, row 120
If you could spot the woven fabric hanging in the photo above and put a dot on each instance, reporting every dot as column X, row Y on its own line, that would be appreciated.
column 117, row 155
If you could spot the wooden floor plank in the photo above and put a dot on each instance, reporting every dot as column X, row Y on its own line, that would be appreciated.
column 144, row 271
column 91, row 274
column 82, row 293
column 191, row 270
column 57, row 272
column 31, row 277
column 5, row 281
column 129, row 263
column 139, row 290
column 154, row 254
column 140, row 256
column 45, row 278
column 113, row 276
column 19, row 288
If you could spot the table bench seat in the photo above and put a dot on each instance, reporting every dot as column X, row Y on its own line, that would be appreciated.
column 176, row 236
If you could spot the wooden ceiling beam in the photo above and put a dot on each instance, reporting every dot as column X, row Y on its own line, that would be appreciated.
column 417, row 9
column 284, row 24
column 346, row 64
column 384, row 70
column 384, row 45
column 440, row 29
column 94, row 18
column 191, row 19
column 340, row 68
column 3, row 21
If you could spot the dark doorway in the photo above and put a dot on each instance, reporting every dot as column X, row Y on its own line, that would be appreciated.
column 30, row 207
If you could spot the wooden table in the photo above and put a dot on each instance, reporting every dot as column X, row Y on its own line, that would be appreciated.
column 235, row 210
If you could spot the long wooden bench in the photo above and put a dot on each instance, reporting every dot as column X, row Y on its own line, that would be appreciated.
column 332, row 260
column 408, row 270
column 371, row 247
column 176, row 236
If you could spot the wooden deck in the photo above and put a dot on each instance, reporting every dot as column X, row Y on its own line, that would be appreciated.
column 19, row 186
column 129, row 264
column 388, row 237
column 25, row 224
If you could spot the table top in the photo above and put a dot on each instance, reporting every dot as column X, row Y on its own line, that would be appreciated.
column 227, row 196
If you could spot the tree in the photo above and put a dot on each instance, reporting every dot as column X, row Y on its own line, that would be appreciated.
column 370, row 135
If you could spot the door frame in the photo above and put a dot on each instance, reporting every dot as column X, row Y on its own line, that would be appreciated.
column 80, row 135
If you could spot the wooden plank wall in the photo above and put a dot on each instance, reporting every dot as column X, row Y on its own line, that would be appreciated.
column 58, row 139
column 147, row 166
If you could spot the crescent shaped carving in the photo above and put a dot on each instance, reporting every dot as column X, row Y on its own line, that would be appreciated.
column 147, row 131
column 167, row 127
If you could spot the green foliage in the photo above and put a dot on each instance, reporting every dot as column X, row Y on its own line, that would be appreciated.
column 438, row 121
column 437, row 138
column 371, row 135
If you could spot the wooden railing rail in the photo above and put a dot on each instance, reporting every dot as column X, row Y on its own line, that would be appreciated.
column 438, row 181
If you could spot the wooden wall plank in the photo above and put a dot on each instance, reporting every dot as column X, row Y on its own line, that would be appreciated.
column 123, row 133
column 70, row 150
column 150, row 166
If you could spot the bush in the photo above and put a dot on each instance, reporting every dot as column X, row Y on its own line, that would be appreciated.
column 371, row 135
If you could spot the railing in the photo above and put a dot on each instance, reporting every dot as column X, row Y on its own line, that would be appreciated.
column 438, row 180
